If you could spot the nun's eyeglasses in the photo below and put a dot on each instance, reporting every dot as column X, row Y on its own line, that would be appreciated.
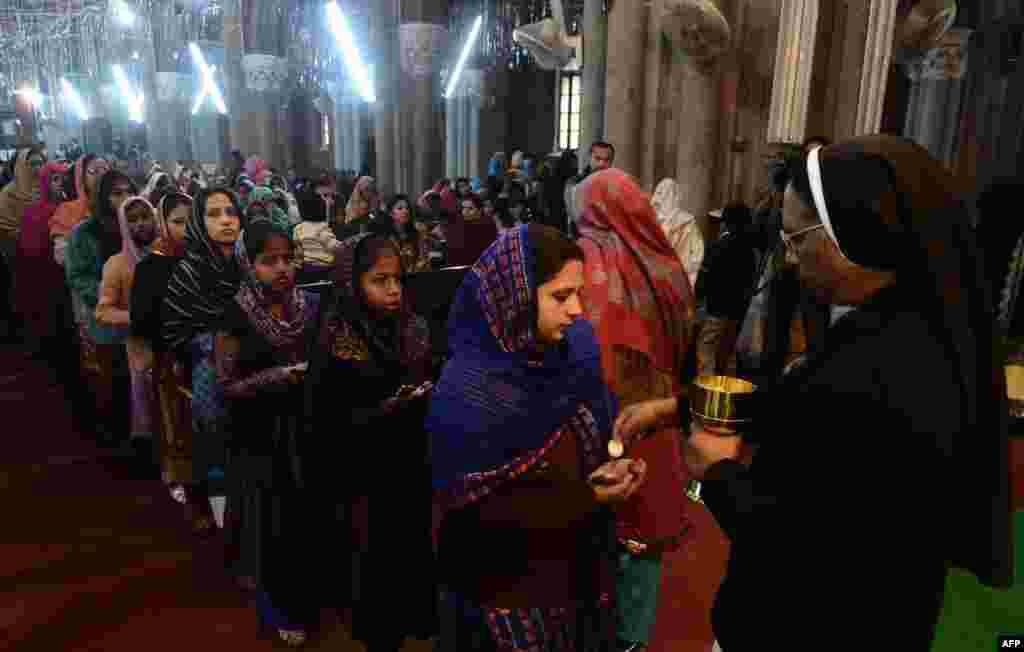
column 790, row 239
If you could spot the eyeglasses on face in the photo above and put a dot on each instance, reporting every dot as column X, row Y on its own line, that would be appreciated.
column 790, row 239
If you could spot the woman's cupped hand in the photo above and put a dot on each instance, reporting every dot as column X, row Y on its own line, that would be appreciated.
column 616, row 481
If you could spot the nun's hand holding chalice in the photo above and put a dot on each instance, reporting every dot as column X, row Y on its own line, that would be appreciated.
column 718, row 409
column 703, row 449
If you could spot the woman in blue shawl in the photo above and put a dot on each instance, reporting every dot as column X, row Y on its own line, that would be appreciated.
column 520, row 422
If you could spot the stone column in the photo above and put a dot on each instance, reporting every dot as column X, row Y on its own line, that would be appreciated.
column 169, row 117
column 234, row 79
column 462, row 123
column 877, row 59
column 208, row 134
column 265, row 72
column 264, row 75
column 852, row 59
column 627, row 39
column 657, row 69
column 794, row 63
column 303, row 130
column 595, row 48
column 698, row 136
column 169, row 90
column 934, row 111
column 424, row 39
column 384, row 112
column 454, row 157
column 349, row 149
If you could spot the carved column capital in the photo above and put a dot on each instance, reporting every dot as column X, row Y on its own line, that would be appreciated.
column 421, row 46
column 264, row 73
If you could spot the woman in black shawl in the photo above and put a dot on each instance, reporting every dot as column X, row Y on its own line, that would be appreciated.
column 260, row 349
column 202, row 284
column 208, row 277
column 885, row 460
column 366, row 400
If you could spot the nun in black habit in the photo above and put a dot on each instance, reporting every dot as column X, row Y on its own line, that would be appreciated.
column 884, row 459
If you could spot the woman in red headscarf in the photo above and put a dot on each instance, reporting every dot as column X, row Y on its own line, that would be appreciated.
column 35, row 259
column 640, row 302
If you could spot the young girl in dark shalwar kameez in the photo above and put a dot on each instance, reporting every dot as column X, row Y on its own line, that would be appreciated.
column 367, row 399
column 260, row 349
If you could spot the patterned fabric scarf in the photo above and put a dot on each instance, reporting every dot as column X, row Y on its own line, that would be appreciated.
column 202, row 283
column 501, row 404
column 638, row 294
column 254, row 302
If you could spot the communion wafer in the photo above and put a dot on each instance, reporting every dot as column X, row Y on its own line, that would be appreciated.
column 615, row 449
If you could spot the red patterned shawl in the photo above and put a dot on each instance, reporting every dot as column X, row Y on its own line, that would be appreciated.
column 638, row 296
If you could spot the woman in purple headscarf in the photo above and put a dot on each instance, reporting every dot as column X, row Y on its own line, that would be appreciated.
column 519, row 426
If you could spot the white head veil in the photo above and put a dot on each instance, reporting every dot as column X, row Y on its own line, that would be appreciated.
column 667, row 203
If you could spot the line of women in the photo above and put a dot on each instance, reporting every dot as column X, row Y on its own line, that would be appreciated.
column 286, row 388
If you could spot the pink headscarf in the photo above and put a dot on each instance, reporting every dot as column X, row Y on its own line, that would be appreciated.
column 131, row 251
column 34, row 239
column 257, row 170
column 72, row 213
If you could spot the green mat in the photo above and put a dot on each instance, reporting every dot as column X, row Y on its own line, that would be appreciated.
column 974, row 615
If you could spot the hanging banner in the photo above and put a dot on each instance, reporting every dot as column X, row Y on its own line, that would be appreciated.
column 264, row 73
column 422, row 45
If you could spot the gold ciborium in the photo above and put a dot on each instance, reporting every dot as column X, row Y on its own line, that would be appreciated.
column 1015, row 388
column 724, row 406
